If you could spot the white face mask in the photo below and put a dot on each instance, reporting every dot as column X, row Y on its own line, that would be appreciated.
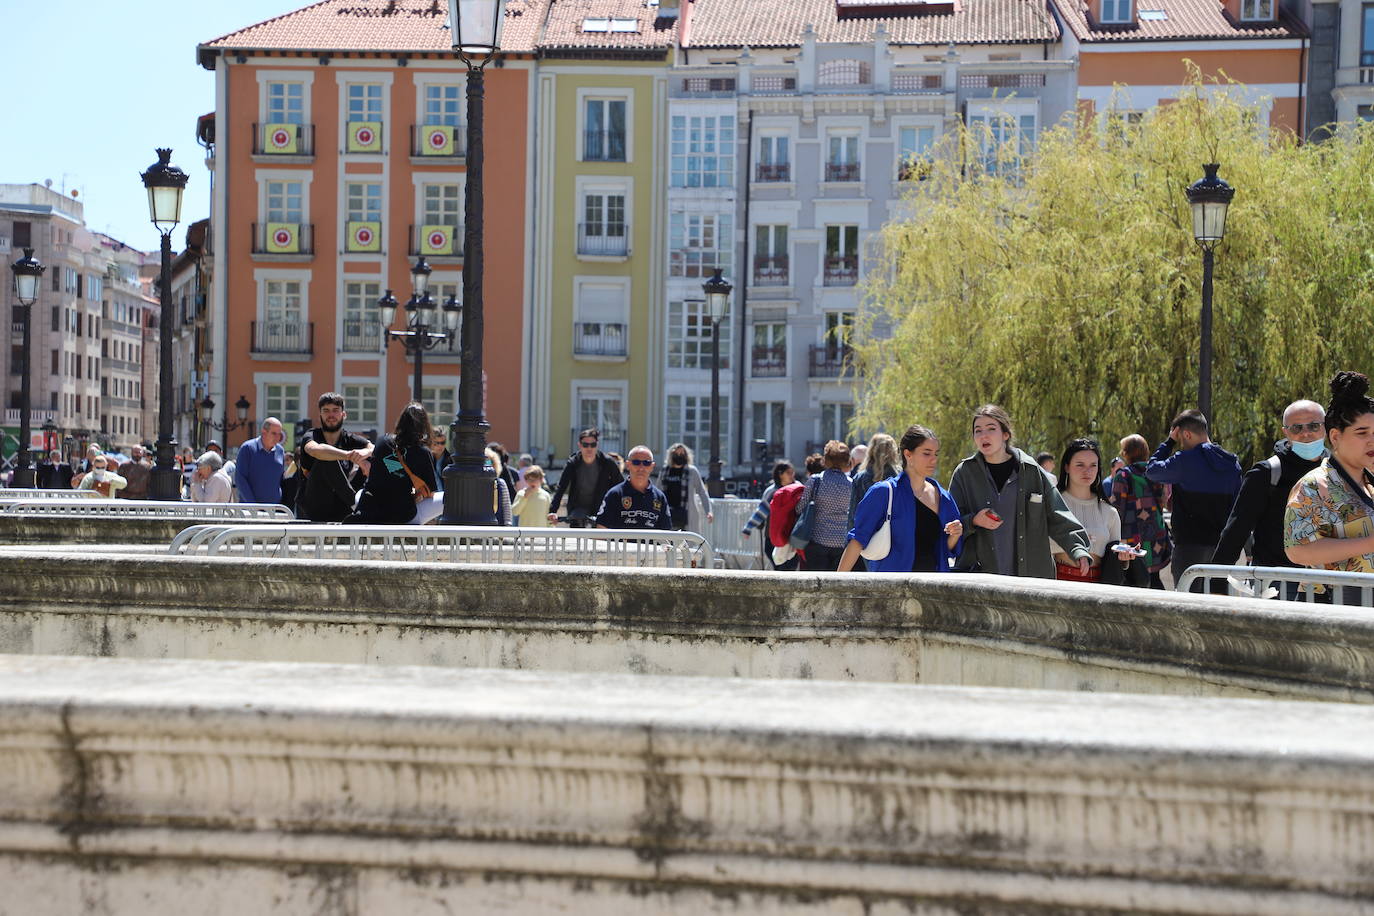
column 99, row 473
column 1309, row 451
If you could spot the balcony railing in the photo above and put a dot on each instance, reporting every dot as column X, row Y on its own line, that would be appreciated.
column 436, row 241
column 768, row 362
column 361, row 336
column 1001, row 80
column 438, row 141
column 829, row 361
column 603, row 146
column 612, row 440
column 598, row 338
column 296, row 338
column 842, row 171
column 917, row 82
column 284, row 238
column 770, row 270
column 604, row 239
column 841, row 270
column 283, row 139
column 781, row 171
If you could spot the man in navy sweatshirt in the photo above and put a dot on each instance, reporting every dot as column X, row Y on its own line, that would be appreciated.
column 1205, row 479
column 259, row 465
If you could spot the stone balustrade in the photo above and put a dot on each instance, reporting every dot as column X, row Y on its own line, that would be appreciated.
column 173, row 787
column 930, row 629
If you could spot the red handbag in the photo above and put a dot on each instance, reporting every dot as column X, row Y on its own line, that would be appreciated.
column 1074, row 574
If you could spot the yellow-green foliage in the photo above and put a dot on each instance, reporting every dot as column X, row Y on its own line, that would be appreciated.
column 1070, row 293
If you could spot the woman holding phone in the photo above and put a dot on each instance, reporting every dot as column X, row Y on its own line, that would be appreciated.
column 1080, row 483
column 925, row 531
column 1010, row 507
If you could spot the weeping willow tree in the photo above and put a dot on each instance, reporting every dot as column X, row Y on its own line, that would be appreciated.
column 1067, row 286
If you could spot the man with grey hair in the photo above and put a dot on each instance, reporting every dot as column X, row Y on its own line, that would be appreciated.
column 137, row 472
column 1257, row 512
column 258, row 472
column 209, row 483
column 636, row 503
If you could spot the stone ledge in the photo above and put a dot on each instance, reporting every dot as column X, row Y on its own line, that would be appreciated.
column 973, row 630
column 1021, row 798
column 66, row 532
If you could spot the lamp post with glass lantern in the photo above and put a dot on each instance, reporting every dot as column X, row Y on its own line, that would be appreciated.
column 27, row 274
column 206, row 409
column 420, row 334
column 1209, row 197
column 165, row 183
column 717, row 301
column 468, row 482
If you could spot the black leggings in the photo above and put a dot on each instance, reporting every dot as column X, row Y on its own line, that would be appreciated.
column 820, row 558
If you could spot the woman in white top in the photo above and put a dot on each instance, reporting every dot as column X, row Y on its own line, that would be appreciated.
column 1080, row 483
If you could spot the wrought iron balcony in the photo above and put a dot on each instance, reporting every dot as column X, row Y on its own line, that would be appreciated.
column 603, row 239
column 781, row 171
column 283, row 238
column 598, row 338
column 603, row 146
column 768, row 362
column 283, row 140
column 770, row 270
column 830, row 361
column 842, row 171
column 361, row 336
column 295, row 338
column 841, row 270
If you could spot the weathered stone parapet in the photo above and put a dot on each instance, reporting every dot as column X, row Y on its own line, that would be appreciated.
column 69, row 531
column 970, row 630
column 150, row 785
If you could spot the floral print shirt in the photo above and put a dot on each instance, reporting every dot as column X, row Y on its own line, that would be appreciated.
column 1323, row 506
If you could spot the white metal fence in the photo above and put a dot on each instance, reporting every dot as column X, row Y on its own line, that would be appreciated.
column 143, row 508
column 1285, row 583
column 25, row 493
column 446, row 544
column 736, row 550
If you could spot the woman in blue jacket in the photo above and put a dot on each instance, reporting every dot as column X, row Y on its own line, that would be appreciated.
column 926, row 533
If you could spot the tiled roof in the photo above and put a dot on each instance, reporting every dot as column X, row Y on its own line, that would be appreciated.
column 1183, row 20
column 376, row 25
column 567, row 18
column 779, row 23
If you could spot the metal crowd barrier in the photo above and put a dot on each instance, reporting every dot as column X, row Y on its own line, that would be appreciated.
column 25, row 493
column 726, row 533
column 144, row 508
column 445, row 544
column 1285, row 583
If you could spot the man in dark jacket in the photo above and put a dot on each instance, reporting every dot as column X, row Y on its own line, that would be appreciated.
column 1205, row 479
column 332, row 460
column 1258, row 510
column 585, row 479
column 54, row 474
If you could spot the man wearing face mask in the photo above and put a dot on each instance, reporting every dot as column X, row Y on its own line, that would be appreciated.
column 1258, row 510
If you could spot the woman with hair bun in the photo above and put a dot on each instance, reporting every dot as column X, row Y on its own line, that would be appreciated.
column 1329, row 521
column 402, row 472
column 926, row 533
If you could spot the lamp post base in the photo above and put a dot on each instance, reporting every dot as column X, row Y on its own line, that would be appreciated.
column 24, row 478
column 469, row 485
column 165, row 484
column 715, row 486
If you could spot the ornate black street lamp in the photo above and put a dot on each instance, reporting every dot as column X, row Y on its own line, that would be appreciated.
column 421, row 320
column 717, row 302
column 206, row 409
column 468, row 482
column 1209, row 197
column 165, row 182
column 27, row 274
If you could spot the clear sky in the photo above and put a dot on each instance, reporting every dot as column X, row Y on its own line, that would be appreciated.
column 94, row 86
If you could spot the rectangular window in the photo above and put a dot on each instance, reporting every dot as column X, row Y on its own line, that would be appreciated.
column 1120, row 10
column 1002, row 138
column 56, row 318
column 1367, row 35
column 769, row 425
column 689, row 335
column 282, row 302
column 287, row 403
column 442, row 204
column 56, row 363
column 842, row 157
column 775, row 159
column 602, row 409
column 841, row 266
column 441, row 403
column 913, row 152
column 768, row 357
column 839, row 327
column 285, row 103
column 95, row 288
column 699, row 243
column 835, row 420
column 770, row 261
column 362, row 405
column 363, row 201
column 444, row 105
column 689, row 421
column 601, row 323
column 23, row 234
column 703, row 151
column 603, row 230
column 362, row 326
column 604, row 131
column 364, row 102
column 285, row 202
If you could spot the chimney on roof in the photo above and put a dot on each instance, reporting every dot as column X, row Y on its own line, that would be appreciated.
column 667, row 9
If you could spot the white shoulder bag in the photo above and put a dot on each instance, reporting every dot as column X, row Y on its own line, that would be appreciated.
column 880, row 545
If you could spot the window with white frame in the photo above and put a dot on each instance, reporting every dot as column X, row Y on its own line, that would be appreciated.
column 841, row 267
column 361, row 399
column 914, row 145
column 601, row 319
column 285, row 400
column 441, row 204
column 770, row 425
column 689, row 335
column 1002, row 135
column 699, row 243
column 774, row 158
column 702, row 151
column 363, row 101
column 1367, row 35
column 440, row 403
column 602, row 409
column 362, row 323
column 835, row 420
column 1117, row 11
column 688, row 421
column 842, row 156
column 283, row 307
column 363, row 201
column 285, row 103
column 603, row 230
column 604, row 130
column 1251, row 10
column 284, row 201
column 444, row 105
column 839, row 328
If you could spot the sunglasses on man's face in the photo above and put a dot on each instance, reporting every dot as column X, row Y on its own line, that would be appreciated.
column 587, row 444
column 642, row 462
column 1298, row 429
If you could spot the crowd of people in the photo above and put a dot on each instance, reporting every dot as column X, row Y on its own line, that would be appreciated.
column 877, row 507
